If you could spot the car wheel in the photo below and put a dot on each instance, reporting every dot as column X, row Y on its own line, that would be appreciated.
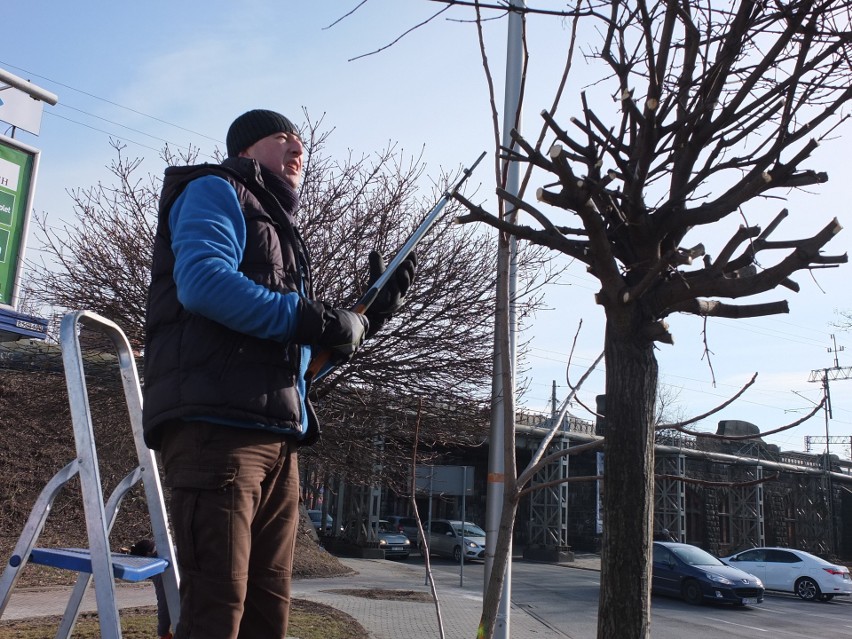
column 807, row 589
column 691, row 592
column 457, row 554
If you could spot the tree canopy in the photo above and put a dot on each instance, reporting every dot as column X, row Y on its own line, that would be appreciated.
column 713, row 109
column 437, row 349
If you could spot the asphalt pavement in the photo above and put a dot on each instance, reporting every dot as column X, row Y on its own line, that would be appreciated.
column 460, row 605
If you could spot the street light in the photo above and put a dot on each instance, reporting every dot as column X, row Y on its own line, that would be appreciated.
column 35, row 92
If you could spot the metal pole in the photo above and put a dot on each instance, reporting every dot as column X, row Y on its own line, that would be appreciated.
column 507, row 264
column 829, row 487
column 463, row 519
column 427, row 536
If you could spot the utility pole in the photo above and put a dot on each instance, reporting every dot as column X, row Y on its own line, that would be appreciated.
column 824, row 376
column 553, row 400
column 503, row 394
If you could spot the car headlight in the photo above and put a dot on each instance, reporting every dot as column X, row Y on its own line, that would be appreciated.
column 383, row 542
column 471, row 544
column 719, row 579
column 407, row 542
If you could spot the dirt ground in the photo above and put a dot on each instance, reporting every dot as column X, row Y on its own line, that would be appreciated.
column 308, row 620
column 37, row 440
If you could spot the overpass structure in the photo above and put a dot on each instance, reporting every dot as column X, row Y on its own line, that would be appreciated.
column 722, row 495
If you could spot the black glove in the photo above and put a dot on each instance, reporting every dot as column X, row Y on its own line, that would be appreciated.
column 336, row 329
column 392, row 295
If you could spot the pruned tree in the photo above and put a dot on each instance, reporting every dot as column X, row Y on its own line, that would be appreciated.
column 667, row 410
column 436, row 350
column 716, row 109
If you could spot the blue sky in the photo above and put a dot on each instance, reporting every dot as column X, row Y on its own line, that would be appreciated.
column 177, row 71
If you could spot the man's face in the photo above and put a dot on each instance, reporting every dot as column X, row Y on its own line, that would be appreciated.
column 280, row 153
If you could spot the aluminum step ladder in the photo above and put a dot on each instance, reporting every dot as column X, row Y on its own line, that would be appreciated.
column 98, row 561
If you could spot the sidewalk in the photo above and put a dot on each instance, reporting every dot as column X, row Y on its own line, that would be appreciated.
column 383, row 619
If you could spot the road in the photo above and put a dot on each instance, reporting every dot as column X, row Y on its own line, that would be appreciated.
column 566, row 599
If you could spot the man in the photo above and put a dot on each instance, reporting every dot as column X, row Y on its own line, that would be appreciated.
column 231, row 324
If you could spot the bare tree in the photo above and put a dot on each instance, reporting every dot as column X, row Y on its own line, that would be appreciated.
column 101, row 261
column 844, row 323
column 437, row 349
column 668, row 410
column 717, row 107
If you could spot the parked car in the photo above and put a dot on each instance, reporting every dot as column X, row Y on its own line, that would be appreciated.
column 316, row 518
column 694, row 574
column 447, row 537
column 406, row 525
column 395, row 544
column 807, row 575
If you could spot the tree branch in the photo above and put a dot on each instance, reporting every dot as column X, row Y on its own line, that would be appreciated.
column 698, row 418
column 775, row 431
column 553, row 240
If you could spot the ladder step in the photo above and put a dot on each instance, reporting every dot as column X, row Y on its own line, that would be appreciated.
column 127, row 567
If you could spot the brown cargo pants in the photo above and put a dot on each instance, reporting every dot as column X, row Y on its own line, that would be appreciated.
column 233, row 507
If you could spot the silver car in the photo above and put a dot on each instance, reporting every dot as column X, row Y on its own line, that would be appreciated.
column 406, row 525
column 448, row 538
column 395, row 544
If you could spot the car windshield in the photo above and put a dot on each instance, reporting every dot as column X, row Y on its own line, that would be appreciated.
column 470, row 530
column 695, row 556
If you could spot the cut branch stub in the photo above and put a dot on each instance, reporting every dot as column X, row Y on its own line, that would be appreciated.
column 554, row 199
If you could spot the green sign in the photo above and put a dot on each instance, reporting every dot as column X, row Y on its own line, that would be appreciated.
column 17, row 177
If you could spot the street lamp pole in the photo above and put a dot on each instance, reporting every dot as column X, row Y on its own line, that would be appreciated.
column 503, row 395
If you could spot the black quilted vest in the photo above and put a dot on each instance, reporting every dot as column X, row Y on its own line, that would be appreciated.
column 195, row 367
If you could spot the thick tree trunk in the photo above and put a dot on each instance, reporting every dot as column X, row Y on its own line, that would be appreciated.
column 628, row 484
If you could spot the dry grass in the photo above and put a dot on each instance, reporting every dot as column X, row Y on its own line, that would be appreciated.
column 308, row 620
column 36, row 440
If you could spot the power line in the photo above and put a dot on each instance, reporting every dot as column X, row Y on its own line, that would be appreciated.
column 124, row 138
column 768, row 394
column 121, row 106
column 53, row 112
column 123, row 126
column 88, row 126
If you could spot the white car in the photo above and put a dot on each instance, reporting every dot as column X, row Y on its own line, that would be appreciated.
column 810, row 577
column 447, row 539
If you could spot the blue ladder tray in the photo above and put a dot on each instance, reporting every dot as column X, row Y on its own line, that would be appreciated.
column 127, row 567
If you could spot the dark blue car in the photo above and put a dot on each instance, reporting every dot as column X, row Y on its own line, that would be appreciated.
column 696, row 575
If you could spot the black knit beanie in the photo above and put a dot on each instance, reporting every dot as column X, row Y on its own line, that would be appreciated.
column 253, row 126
